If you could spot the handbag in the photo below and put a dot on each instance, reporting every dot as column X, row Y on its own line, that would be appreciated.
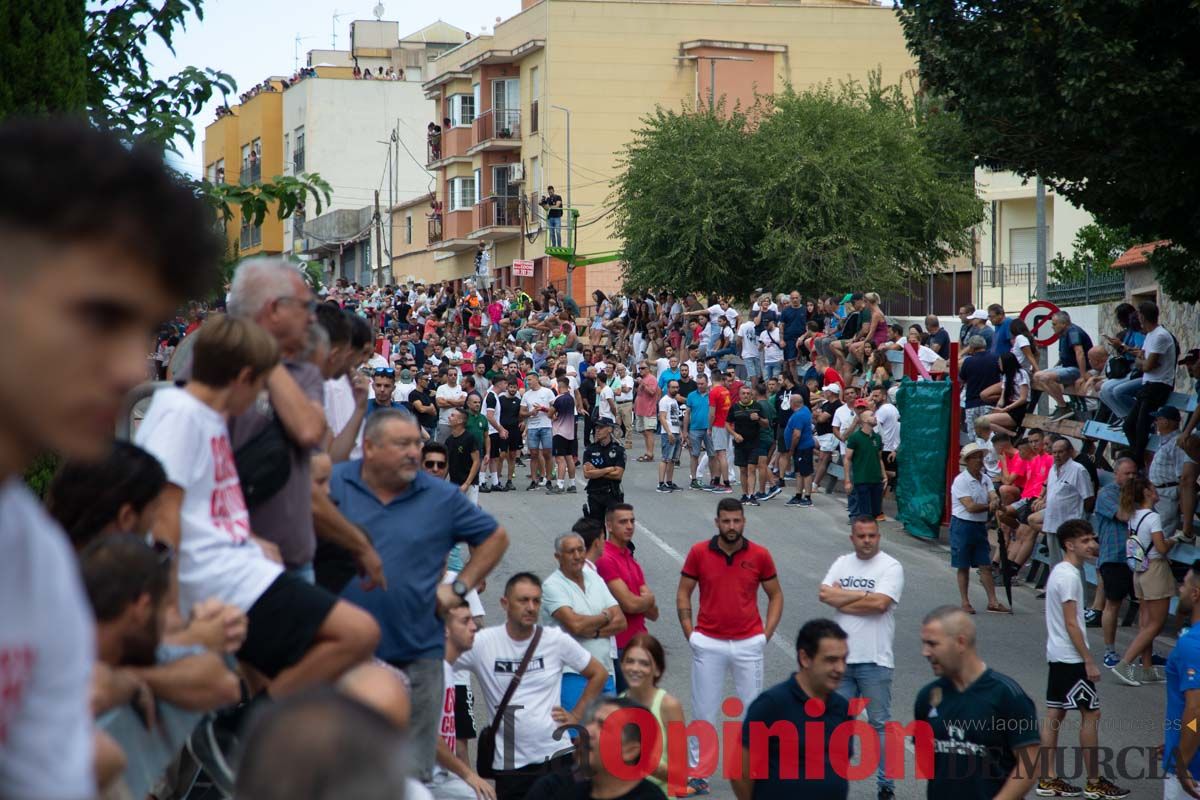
column 1118, row 367
column 485, row 746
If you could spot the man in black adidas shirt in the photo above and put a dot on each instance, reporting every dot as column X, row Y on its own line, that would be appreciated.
column 985, row 728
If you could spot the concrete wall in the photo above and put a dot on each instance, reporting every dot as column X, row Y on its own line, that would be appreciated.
column 344, row 122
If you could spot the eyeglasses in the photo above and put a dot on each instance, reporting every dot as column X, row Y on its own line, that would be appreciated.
column 310, row 305
column 381, row 372
column 435, row 465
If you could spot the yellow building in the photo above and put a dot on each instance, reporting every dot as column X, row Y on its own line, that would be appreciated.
column 246, row 145
column 504, row 101
column 412, row 260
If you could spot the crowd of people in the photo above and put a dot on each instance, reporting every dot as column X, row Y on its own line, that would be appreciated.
column 391, row 74
column 279, row 549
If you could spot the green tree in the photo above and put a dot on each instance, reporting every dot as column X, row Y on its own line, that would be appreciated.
column 1101, row 99
column 822, row 190
column 1096, row 247
column 42, row 56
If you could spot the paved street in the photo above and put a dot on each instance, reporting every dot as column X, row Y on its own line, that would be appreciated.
column 804, row 543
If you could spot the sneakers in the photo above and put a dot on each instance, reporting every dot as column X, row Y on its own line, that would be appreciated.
column 1111, row 660
column 485, row 488
column 721, row 489
column 1151, row 674
column 1092, row 618
column 674, row 487
column 532, row 485
column 508, row 487
column 1102, row 789
column 1125, row 673
column 663, row 489
column 752, row 500
column 796, row 502
column 572, row 490
column 885, row 793
column 553, row 489
column 774, row 490
column 806, row 502
column 699, row 784
column 1057, row 787
column 697, row 485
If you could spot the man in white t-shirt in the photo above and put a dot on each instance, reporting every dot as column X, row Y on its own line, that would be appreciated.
column 887, row 422
column 533, row 714
column 670, row 417
column 203, row 515
column 1073, row 675
column 448, row 397
column 606, row 400
column 453, row 777
column 748, row 335
column 578, row 601
column 845, row 416
column 535, row 410
column 865, row 587
column 404, row 387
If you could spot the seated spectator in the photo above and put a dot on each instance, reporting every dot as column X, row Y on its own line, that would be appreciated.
column 1091, row 383
column 1073, row 345
column 937, row 339
column 1013, row 402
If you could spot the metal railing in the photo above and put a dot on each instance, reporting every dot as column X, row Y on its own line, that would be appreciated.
column 435, row 229
column 433, row 149
column 498, row 211
column 1094, row 288
column 298, row 160
column 504, row 123
column 251, row 173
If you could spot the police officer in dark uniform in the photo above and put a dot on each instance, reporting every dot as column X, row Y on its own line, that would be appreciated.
column 603, row 466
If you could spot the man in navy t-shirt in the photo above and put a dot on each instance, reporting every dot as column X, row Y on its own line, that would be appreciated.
column 1073, row 345
column 979, row 370
column 821, row 651
column 793, row 318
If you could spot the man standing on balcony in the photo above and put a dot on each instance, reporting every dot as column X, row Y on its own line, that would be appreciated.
column 483, row 260
column 553, row 205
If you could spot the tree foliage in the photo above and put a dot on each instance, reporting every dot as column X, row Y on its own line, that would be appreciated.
column 42, row 63
column 853, row 188
column 1100, row 98
column 1096, row 247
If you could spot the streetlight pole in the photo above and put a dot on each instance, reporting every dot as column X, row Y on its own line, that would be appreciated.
column 569, row 208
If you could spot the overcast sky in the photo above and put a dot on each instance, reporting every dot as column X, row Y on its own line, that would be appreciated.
column 256, row 39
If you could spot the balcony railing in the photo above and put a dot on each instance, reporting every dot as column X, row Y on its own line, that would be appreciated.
column 433, row 149
column 298, row 160
column 533, row 117
column 498, row 212
column 435, row 229
column 504, row 123
column 251, row 173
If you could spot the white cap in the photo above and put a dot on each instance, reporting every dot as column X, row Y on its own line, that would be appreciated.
column 978, row 314
column 833, row 387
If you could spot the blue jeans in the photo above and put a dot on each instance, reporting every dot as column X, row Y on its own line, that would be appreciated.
column 866, row 499
column 773, row 370
column 1120, row 395
column 555, row 224
column 874, row 683
column 753, row 366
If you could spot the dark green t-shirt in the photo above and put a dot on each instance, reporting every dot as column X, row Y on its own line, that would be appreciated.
column 767, row 434
column 864, row 466
column 975, row 734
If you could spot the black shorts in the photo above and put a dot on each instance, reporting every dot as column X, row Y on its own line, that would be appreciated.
column 562, row 446
column 510, row 445
column 464, row 712
column 283, row 623
column 802, row 461
column 745, row 453
column 1068, row 688
column 1118, row 581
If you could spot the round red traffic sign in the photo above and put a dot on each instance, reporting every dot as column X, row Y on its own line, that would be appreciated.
column 1036, row 317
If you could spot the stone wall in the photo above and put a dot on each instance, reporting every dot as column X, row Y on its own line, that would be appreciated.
column 1181, row 319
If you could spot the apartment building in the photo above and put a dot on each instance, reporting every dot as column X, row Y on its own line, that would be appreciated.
column 591, row 69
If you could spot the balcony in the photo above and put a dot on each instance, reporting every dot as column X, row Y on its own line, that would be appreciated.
column 435, row 230
column 500, row 217
column 497, row 130
column 455, row 231
column 449, row 148
column 298, row 160
column 251, row 173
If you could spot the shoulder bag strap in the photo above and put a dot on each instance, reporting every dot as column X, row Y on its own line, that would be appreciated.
column 512, row 686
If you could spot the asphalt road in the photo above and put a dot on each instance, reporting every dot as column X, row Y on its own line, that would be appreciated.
column 804, row 542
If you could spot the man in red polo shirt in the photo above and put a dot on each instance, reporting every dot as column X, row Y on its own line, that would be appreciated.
column 625, row 579
column 729, row 635
column 720, row 401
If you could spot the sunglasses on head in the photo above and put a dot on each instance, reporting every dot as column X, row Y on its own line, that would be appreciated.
column 385, row 372
column 435, row 465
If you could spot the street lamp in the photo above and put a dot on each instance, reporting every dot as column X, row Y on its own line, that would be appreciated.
column 567, row 111
column 712, row 74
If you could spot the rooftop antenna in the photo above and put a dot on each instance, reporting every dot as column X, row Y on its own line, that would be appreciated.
column 378, row 11
column 336, row 17
column 296, row 52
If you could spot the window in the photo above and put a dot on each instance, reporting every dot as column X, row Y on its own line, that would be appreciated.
column 535, row 93
column 463, row 193
column 408, row 228
column 298, row 222
column 287, row 153
column 250, row 235
column 462, row 110
column 535, row 174
column 478, row 184
column 298, row 153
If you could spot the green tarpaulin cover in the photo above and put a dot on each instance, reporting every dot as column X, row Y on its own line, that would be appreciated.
column 924, row 437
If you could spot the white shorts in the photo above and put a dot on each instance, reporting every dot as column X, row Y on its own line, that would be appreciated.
column 827, row 442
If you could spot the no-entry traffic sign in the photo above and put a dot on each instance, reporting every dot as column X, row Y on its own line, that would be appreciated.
column 1036, row 317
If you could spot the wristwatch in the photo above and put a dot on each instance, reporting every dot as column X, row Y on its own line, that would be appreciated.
column 460, row 588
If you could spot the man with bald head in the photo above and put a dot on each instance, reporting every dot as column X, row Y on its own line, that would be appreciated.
column 985, row 728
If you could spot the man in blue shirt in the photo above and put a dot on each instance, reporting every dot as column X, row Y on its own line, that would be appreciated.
column 413, row 520
column 1115, row 575
column 1073, row 345
column 793, row 318
column 1181, row 761
column 699, row 429
column 807, row 700
column 798, row 435
column 1002, row 339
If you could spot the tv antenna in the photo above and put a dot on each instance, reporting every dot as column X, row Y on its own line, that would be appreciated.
column 378, row 11
column 296, row 52
column 336, row 17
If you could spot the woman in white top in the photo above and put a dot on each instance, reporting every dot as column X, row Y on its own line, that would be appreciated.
column 1154, row 587
column 771, row 342
column 926, row 355
column 1023, row 347
column 1013, row 400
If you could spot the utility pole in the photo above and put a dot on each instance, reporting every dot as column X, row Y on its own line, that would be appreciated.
column 1041, row 272
column 378, row 243
column 569, row 209
column 391, row 198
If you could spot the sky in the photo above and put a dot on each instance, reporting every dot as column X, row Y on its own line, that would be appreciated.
column 253, row 40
